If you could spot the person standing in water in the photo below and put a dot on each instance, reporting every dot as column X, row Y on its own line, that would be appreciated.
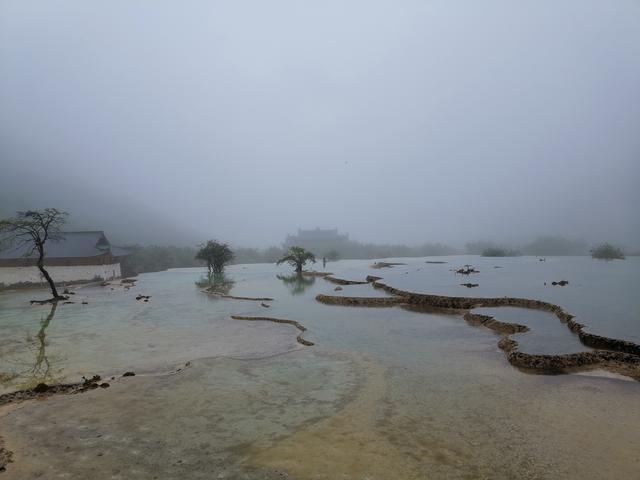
column 324, row 262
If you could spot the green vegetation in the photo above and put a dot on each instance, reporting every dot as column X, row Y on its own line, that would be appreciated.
column 154, row 258
column 541, row 246
column 217, row 283
column 606, row 251
column 560, row 246
column 499, row 252
column 216, row 255
column 297, row 257
column 255, row 255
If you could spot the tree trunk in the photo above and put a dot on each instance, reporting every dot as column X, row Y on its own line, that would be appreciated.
column 45, row 274
column 299, row 267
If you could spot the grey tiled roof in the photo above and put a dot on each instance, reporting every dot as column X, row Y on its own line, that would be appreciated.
column 70, row 245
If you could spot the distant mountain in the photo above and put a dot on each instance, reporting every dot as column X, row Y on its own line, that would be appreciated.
column 123, row 220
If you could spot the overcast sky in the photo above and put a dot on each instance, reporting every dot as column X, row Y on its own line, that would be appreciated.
column 396, row 121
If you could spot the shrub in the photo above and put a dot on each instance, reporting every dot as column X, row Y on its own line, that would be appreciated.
column 606, row 251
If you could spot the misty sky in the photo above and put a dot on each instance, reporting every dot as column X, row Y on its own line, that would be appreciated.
column 397, row 121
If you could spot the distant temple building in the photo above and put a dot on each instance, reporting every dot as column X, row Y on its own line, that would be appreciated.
column 76, row 256
column 317, row 241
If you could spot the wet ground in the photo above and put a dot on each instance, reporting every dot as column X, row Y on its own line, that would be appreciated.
column 384, row 392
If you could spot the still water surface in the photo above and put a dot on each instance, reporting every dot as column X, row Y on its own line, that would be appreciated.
column 384, row 393
column 114, row 332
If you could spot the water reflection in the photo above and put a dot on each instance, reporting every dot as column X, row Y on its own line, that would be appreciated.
column 216, row 283
column 297, row 283
column 42, row 368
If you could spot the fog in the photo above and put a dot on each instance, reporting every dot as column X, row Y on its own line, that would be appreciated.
column 172, row 122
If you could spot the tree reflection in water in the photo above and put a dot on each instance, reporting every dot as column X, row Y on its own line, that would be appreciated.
column 216, row 283
column 42, row 368
column 297, row 283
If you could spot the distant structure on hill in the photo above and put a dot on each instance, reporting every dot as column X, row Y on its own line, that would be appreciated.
column 318, row 241
column 75, row 257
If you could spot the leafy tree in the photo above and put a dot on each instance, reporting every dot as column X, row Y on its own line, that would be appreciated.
column 297, row 257
column 33, row 228
column 606, row 251
column 216, row 255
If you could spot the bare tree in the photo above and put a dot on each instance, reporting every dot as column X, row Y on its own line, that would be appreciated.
column 33, row 228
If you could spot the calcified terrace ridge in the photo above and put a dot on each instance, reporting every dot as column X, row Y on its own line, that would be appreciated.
column 617, row 356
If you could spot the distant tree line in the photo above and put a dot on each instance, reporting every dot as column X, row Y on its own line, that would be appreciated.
column 157, row 258
column 542, row 246
column 607, row 251
column 154, row 258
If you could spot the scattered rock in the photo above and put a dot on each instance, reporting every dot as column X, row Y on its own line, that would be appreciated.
column 469, row 285
column 561, row 283
column 466, row 270
column 264, row 305
column 6, row 456
column 337, row 289
column 129, row 374
column 104, row 385
column 143, row 297
column 85, row 303
column 41, row 388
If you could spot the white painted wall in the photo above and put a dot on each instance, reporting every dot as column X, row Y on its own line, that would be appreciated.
column 60, row 274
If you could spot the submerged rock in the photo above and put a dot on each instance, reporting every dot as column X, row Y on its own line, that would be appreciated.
column 466, row 270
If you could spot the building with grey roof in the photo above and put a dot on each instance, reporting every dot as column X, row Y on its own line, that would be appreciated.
column 319, row 241
column 74, row 257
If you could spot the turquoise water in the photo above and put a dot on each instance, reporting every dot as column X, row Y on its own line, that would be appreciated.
column 113, row 332
column 384, row 392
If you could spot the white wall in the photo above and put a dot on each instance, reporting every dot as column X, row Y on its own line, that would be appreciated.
column 60, row 274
